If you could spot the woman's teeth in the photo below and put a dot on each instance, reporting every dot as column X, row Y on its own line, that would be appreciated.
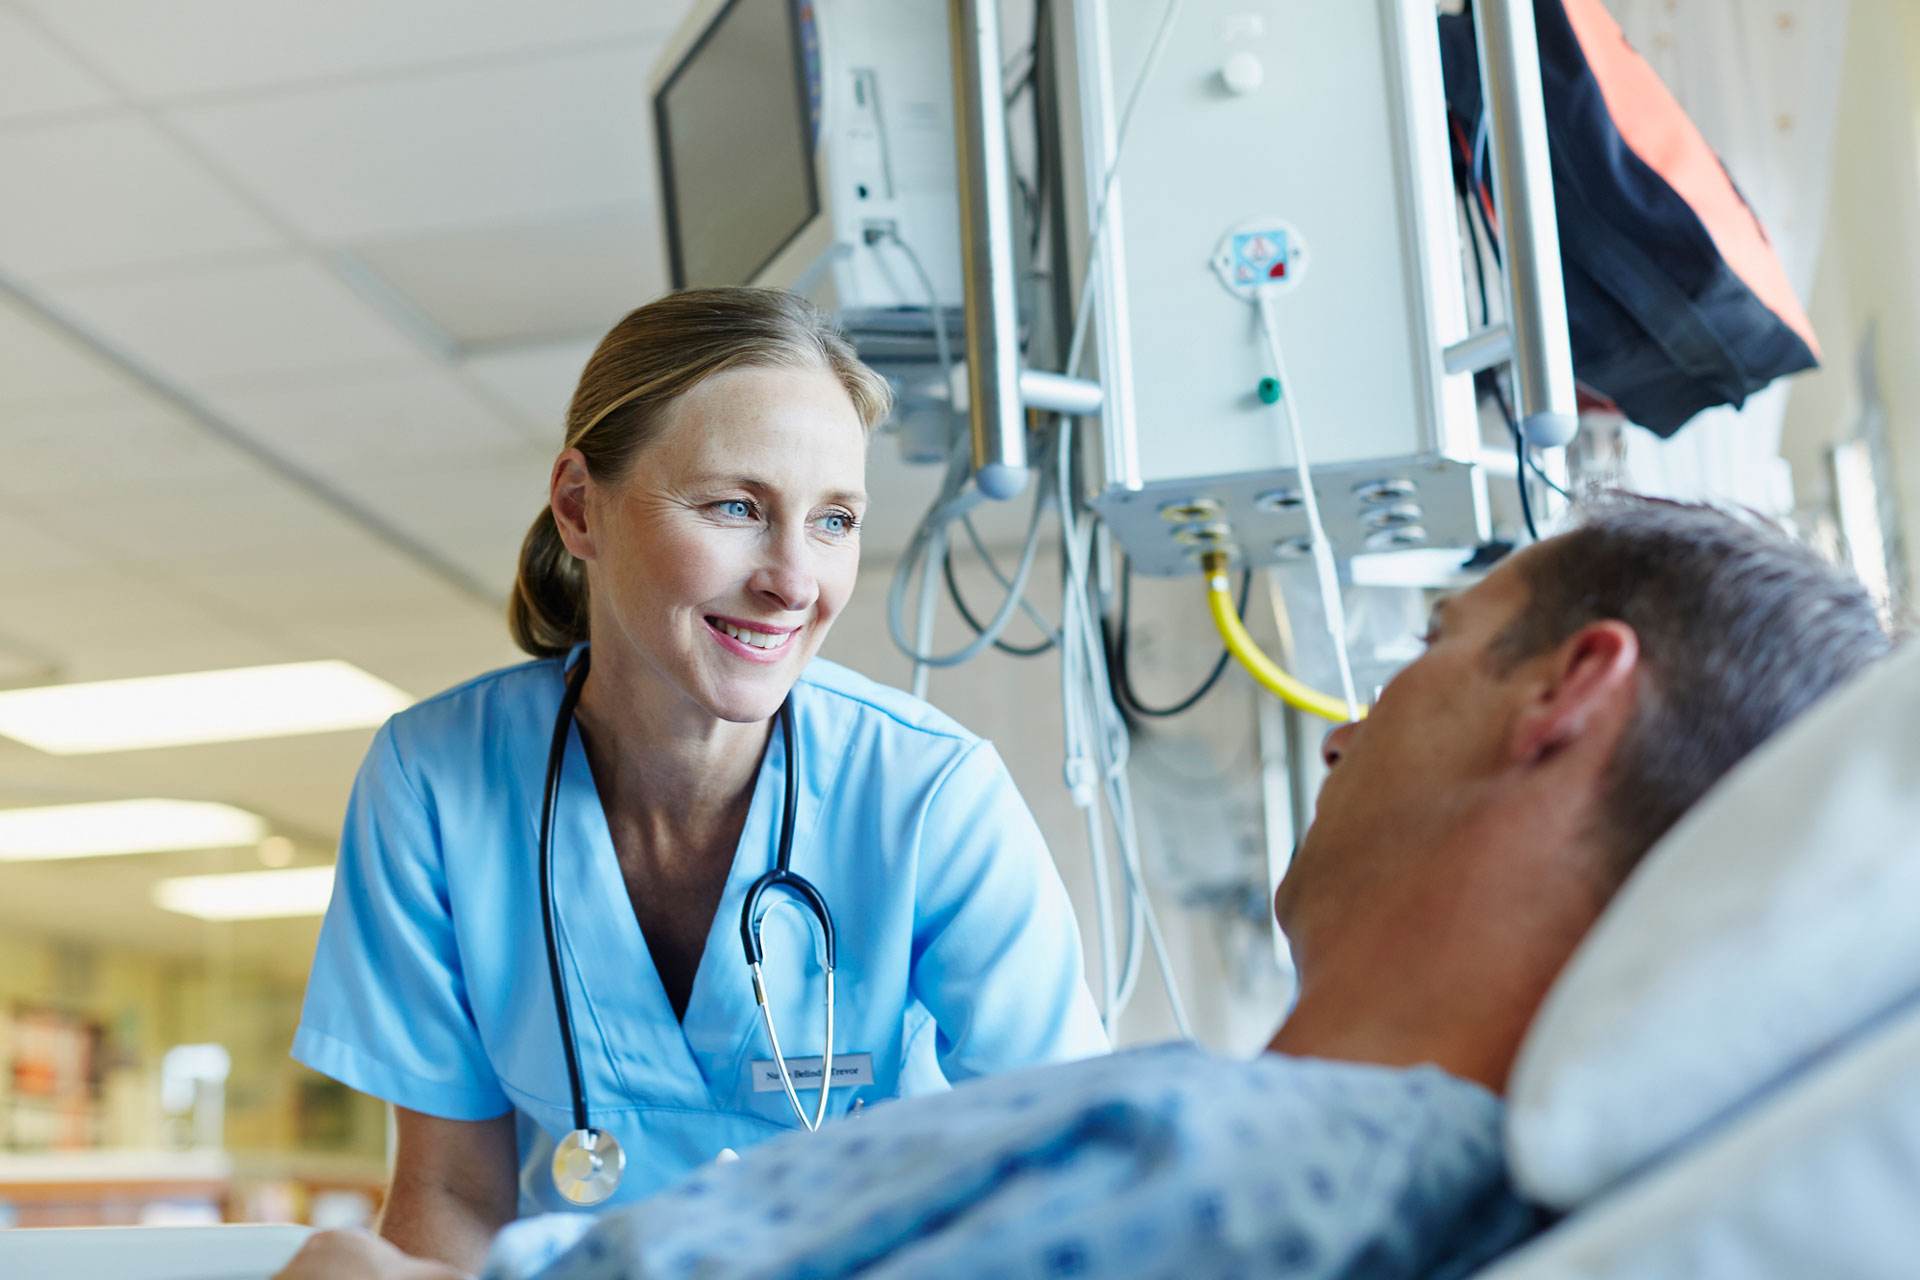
column 758, row 639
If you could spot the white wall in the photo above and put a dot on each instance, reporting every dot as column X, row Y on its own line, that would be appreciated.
column 1870, row 264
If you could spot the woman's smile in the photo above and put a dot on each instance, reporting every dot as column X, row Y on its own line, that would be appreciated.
column 756, row 642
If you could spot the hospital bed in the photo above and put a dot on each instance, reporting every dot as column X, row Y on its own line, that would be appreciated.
column 1725, row 1081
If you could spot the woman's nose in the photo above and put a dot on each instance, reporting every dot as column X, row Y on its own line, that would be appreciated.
column 1334, row 745
column 787, row 578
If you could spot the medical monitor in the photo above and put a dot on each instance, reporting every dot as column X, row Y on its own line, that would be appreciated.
column 802, row 144
column 735, row 120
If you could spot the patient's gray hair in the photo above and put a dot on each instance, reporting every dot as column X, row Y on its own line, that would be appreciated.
column 1740, row 630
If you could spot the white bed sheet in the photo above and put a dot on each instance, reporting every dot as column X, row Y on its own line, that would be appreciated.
column 241, row 1252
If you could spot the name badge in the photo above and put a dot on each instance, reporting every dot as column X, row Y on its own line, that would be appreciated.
column 849, row 1071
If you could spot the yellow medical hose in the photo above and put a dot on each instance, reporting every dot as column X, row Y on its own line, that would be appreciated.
column 1259, row 665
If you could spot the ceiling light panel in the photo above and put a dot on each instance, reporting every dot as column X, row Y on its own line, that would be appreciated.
column 526, row 141
column 37, row 79
column 108, row 192
column 160, row 51
column 124, row 826
column 209, row 706
column 278, row 316
column 248, row 895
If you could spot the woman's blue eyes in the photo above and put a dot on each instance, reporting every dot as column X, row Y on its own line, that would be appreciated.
column 837, row 523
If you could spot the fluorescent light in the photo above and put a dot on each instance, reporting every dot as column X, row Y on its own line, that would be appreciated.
column 124, row 826
column 249, row 895
column 204, row 706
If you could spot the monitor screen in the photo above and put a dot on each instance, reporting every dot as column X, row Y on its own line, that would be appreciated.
column 736, row 145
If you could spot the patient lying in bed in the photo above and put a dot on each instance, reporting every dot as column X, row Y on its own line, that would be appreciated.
column 1157, row 1162
column 1568, row 709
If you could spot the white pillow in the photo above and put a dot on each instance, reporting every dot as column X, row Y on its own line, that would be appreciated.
column 1781, row 913
column 1821, row 1181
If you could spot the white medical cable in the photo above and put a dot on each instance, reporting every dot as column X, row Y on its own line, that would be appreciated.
column 1324, row 569
column 929, row 600
column 1084, row 656
column 955, row 500
column 1034, row 616
column 1082, row 311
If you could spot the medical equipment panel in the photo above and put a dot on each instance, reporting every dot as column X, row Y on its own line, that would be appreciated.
column 1295, row 150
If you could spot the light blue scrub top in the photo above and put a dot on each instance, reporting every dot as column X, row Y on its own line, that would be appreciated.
column 957, row 947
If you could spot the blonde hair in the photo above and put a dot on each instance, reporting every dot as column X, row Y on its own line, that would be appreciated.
column 648, row 361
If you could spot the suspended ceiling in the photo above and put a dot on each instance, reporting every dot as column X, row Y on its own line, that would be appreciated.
column 292, row 297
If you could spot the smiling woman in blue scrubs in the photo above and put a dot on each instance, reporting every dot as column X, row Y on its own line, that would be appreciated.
column 702, row 536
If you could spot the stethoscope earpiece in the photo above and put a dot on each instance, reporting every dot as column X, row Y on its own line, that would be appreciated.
column 588, row 1162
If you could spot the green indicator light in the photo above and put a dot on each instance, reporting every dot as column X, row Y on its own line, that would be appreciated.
column 1269, row 391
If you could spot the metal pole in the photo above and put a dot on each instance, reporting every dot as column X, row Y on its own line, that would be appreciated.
column 1055, row 393
column 986, row 242
column 1491, row 346
column 1523, row 197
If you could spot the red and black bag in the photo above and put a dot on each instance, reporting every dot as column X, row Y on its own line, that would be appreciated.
column 1676, row 301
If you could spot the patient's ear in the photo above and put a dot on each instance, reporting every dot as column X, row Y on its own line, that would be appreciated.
column 1586, row 693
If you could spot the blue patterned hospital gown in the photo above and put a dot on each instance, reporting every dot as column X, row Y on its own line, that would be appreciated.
column 1163, row 1162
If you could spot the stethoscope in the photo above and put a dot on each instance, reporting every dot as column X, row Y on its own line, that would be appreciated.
column 588, row 1162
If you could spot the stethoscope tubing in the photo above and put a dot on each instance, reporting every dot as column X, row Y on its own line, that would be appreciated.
column 781, row 877
column 556, row 760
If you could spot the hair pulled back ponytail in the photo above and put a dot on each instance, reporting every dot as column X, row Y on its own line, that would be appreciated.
column 548, row 610
column 646, row 362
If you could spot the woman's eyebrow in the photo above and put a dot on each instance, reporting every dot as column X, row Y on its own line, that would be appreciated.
column 847, row 497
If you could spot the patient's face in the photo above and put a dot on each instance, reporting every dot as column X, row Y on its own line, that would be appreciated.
column 1419, row 764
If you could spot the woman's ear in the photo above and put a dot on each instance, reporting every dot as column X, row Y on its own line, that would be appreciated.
column 1587, row 692
column 568, row 490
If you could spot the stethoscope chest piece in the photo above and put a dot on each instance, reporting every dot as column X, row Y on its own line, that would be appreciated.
column 587, row 1166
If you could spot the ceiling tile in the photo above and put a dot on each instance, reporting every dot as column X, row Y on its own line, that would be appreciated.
column 525, row 284
column 119, row 448
column 108, row 608
column 521, row 142
column 41, row 365
column 34, row 554
column 165, row 50
column 423, row 651
column 367, row 421
column 113, row 191
column 506, row 490
column 538, row 380
column 261, row 319
column 209, row 645
column 37, row 78
column 337, row 586
column 260, row 518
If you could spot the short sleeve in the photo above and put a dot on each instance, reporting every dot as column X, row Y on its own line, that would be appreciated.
column 996, row 952
column 386, row 1009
